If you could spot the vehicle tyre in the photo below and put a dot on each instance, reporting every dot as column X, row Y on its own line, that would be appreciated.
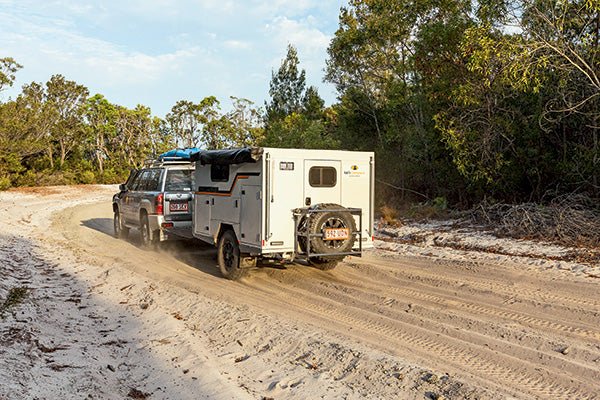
column 228, row 256
column 149, row 238
column 324, row 264
column 334, row 219
column 120, row 231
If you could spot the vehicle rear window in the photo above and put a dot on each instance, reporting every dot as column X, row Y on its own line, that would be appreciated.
column 179, row 179
column 322, row 176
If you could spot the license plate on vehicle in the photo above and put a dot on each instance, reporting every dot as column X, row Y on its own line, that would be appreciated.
column 337, row 234
column 178, row 206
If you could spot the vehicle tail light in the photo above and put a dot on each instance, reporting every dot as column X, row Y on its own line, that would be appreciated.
column 159, row 205
column 167, row 225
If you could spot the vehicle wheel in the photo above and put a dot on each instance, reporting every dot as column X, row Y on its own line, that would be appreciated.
column 331, row 220
column 148, row 237
column 120, row 231
column 324, row 264
column 228, row 256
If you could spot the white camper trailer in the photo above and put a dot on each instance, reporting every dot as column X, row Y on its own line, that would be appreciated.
column 283, row 204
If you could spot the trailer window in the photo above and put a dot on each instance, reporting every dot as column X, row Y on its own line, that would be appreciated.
column 322, row 176
column 219, row 173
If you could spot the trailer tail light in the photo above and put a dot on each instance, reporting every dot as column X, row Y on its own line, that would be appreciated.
column 166, row 225
column 159, row 204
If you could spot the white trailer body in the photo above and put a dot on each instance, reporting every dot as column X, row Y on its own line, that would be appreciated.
column 260, row 201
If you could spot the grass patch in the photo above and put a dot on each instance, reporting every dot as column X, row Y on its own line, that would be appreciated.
column 15, row 296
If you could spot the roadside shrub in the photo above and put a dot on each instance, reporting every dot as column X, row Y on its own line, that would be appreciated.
column 5, row 183
column 110, row 176
column 29, row 178
column 440, row 204
column 389, row 214
column 87, row 177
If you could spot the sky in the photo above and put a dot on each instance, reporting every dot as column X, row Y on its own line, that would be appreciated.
column 156, row 52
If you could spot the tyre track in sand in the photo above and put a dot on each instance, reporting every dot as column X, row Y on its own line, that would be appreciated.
column 479, row 305
column 425, row 341
column 497, row 325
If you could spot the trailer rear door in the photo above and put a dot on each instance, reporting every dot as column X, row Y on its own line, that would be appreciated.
column 322, row 182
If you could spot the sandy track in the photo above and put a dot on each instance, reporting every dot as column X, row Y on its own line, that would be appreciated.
column 502, row 328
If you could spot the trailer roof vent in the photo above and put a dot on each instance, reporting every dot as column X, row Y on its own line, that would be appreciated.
column 322, row 176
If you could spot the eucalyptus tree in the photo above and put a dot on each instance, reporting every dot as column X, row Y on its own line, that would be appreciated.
column 101, row 116
column 185, row 121
column 392, row 62
column 66, row 102
column 244, row 127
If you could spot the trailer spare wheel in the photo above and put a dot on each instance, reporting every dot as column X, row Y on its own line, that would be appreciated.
column 334, row 231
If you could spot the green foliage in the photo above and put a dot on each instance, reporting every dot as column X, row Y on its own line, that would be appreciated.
column 87, row 177
column 460, row 99
column 204, row 125
column 56, row 134
column 111, row 176
column 457, row 105
column 5, row 183
column 8, row 68
column 299, row 131
column 296, row 116
column 243, row 127
column 286, row 88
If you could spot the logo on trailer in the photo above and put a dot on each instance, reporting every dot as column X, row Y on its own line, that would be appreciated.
column 354, row 172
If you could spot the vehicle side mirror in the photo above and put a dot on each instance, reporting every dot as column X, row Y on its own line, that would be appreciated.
column 123, row 187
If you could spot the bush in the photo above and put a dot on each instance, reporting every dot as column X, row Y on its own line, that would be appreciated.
column 389, row 214
column 5, row 183
column 29, row 178
column 110, row 176
column 87, row 177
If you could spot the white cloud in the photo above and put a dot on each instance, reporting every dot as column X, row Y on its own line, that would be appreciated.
column 238, row 44
column 311, row 44
column 299, row 33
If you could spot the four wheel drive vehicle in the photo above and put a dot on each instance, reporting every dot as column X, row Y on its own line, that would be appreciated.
column 283, row 204
column 156, row 200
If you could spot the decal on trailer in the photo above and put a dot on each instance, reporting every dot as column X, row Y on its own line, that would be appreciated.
column 354, row 172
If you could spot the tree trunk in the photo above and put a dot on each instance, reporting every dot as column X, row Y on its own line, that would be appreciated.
column 50, row 156
column 99, row 146
column 63, row 152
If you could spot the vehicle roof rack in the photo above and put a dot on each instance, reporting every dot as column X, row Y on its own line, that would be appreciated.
column 167, row 161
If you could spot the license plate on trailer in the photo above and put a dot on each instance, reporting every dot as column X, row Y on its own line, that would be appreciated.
column 181, row 206
column 336, row 234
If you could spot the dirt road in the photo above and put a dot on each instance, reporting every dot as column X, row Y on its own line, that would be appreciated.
column 381, row 326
